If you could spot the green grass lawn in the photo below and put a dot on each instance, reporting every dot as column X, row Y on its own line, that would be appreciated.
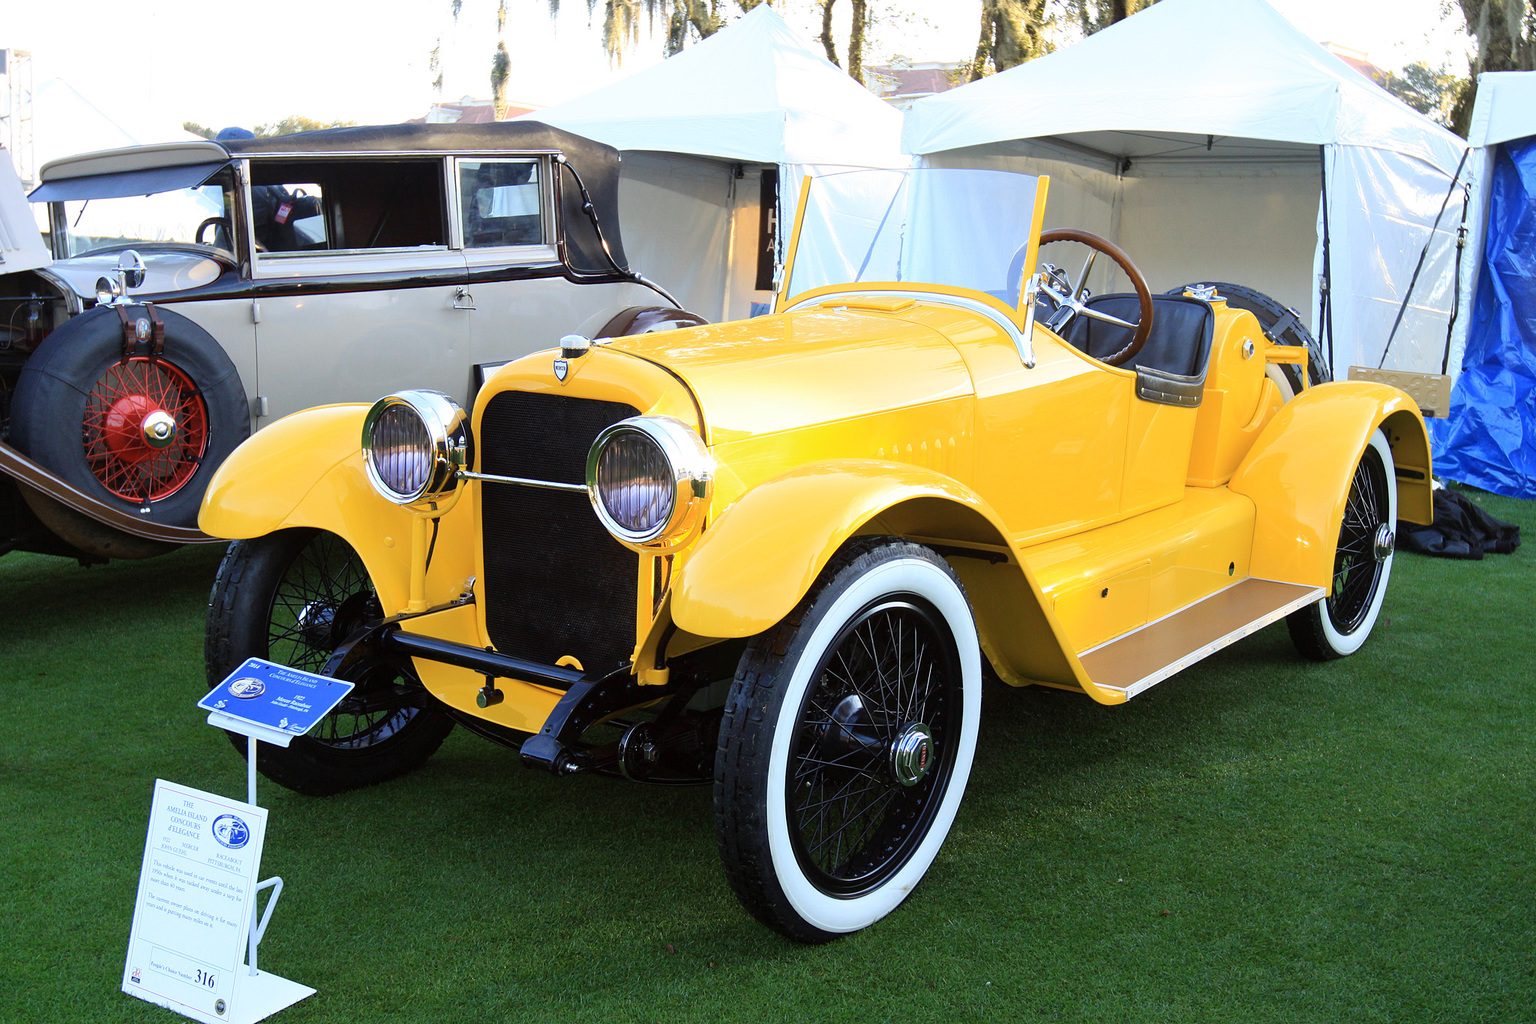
column 1257, row 839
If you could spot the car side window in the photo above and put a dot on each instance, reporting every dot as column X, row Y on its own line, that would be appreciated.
column 289, row 217
column 300, row 206
column 501, row 202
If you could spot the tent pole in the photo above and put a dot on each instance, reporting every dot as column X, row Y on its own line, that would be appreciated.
column 1461, row 245
column 1324, row 305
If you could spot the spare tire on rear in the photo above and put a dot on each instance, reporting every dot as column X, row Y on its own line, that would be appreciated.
column 1281, row 324
column 143, row 434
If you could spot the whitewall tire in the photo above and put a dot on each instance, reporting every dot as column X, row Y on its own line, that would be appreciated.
column 847, row 742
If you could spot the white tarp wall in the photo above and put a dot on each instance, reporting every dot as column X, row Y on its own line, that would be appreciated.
column 1392, row 223
column 698, row 130
column 1210, row 164
column 1180, row 221
column 665, row 197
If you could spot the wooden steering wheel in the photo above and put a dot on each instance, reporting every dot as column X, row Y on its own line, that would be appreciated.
column 1068, row 296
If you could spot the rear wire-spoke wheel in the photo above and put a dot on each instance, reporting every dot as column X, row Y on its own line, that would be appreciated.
column 1340, row 623
column 847, row 743
column 292, row 598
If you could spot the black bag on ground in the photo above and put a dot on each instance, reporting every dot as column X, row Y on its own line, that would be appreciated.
column 1461, row 530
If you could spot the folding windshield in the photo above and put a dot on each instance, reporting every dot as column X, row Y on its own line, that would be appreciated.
column 963, row 228
column 189, row 216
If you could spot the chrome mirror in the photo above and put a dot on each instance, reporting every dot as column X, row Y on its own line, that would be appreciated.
column 130, row 270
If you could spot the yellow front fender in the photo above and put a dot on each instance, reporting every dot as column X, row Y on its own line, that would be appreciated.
column 306, row 470
column 1298, row 471
column 758, row 559
column 267, row 479
column 761, row 556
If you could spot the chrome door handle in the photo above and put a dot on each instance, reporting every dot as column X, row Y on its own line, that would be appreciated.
column 462, row 299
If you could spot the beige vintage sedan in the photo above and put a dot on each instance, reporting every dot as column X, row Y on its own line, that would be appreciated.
column 198, row 291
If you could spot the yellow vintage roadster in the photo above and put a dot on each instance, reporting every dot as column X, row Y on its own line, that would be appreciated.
column 779, row 555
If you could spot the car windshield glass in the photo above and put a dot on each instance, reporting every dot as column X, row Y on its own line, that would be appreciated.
column 189, row 215
column 950, row 226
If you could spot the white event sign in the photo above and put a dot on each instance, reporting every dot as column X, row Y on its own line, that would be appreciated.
column 192, row 916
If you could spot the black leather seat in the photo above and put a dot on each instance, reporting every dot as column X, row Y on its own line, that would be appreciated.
column 1180, row 342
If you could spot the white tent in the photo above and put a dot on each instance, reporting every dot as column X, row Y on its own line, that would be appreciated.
column 1214, row 141
column 699, row 130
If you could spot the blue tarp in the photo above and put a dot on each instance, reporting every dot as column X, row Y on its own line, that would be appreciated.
column 1489, row 438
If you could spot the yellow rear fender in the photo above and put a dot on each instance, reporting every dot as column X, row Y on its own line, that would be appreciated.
column 1298, row 473
column 760, row 557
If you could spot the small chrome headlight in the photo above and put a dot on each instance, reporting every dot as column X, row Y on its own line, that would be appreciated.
column 414, row 442
column 649, row 479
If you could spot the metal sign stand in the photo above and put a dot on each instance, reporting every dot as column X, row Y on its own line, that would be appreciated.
column 247, row 703
column 259, row 994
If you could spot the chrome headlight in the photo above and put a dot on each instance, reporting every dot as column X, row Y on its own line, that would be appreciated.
column 414, row 442
column 649, row 479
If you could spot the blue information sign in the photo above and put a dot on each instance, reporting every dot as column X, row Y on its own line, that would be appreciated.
column 273, row 698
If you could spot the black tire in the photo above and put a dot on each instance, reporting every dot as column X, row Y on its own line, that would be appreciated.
column 844, row 736
column 78, row 410
column 292, row 597
column 1341, row 622
column 1281, row 325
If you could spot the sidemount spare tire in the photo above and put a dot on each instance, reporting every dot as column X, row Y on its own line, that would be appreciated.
column 143, row 434
column 1280, row 324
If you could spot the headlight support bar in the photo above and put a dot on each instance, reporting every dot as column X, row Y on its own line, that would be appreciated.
column 548, row 485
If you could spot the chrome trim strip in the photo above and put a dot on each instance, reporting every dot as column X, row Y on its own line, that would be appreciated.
column 388, row 154
column 548, row 485
column 1020, row 341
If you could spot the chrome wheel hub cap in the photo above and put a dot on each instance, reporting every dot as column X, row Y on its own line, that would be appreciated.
column 314, row 623
column 159, row 429
column 1385, row 541
column 912, row 754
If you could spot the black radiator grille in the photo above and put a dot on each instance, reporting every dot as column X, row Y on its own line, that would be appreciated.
column 556, row 582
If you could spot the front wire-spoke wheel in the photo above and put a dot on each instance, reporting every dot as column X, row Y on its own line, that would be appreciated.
column 1339, row 624
column 847, row 743
column 293, row 597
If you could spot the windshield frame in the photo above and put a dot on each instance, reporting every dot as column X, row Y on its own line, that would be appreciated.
column 1018, row 304
column 64, row 241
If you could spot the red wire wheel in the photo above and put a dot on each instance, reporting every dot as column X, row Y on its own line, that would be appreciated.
column 145, row 429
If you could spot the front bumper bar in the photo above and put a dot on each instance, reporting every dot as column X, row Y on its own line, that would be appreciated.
column 588, row 698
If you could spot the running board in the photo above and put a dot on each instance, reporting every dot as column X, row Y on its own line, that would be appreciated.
column 1143, row 658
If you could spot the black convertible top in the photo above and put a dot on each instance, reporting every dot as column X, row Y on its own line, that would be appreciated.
column 597, row 164
column 425, row 138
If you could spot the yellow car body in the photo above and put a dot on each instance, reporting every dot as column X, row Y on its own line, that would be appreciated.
column 1104, row 539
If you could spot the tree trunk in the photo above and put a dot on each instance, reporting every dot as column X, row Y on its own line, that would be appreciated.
column 1011, row 33
column 1502, row 30
column 983, row 47
column 501, row 68
column 856, row 40
column 826, row 31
